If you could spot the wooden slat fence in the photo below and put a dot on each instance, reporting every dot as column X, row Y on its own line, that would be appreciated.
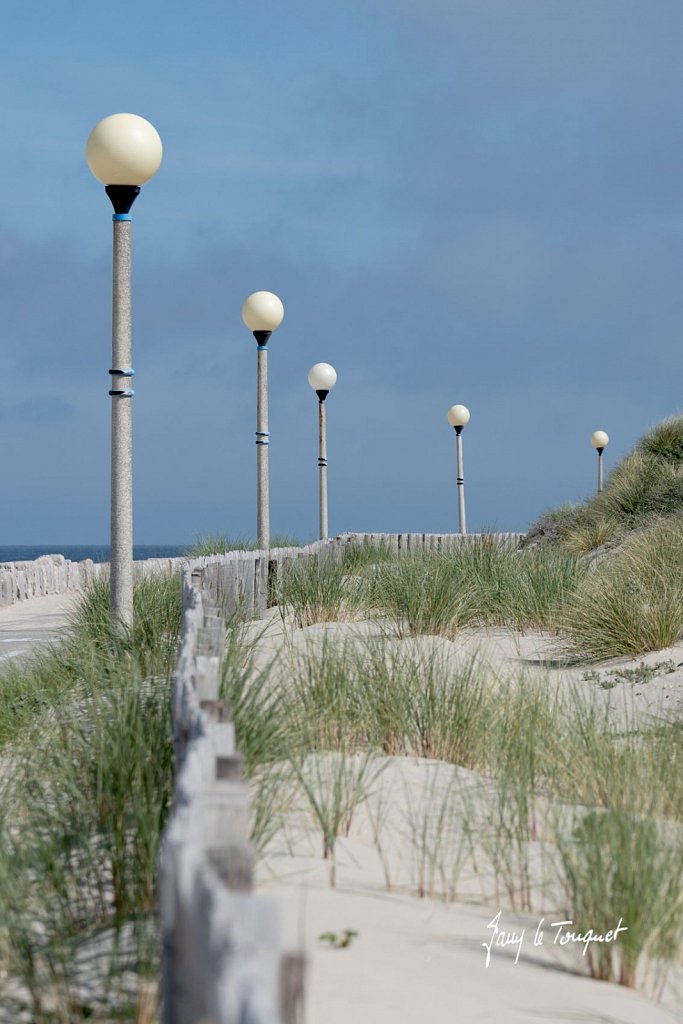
column 54, row 574
column 221, row 955
column 241, row 581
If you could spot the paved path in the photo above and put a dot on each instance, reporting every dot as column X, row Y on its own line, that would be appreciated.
column 27, row 623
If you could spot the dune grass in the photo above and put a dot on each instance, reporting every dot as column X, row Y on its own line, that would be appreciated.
column 628, row 604
column 539, row 588
column 481, row 584
column 641, row 486
column 79, row 863
column 633, row 602
column 401, row 699
column 221, row 544
column 588, row 534
column 334, row 784
column 261, row 730
column 558, row 785
column 317, row 590
column 30, row 686
column 665, row 440
column 433, row 819
column 82, row 807
column 412, row 706
column 357, row 557
column 420, row 595
column 618, row 869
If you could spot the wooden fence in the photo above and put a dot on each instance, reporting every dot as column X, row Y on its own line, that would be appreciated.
column 221, row 956
column 54, row 574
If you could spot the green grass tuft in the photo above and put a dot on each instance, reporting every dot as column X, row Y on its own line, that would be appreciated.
column 318, row 590
column 82, row 811
column 219, row 544
column 632, row 603
column 618, row 867
column 665, row 441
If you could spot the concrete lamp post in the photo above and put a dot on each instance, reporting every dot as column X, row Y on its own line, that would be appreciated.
column 123, row 152
column 459, row 417
column 599, row 440
column 322, row 377
column 263, row 313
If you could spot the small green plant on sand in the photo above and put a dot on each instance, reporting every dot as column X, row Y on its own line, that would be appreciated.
column 637, row 676
column 342, row 941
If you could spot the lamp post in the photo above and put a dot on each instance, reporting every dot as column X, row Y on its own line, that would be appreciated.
column 262, row 312
column 599, row 440
column 459, row 417
column 123, row 152
column 322, row 377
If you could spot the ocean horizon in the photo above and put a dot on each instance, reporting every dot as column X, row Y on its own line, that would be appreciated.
column 79, row 552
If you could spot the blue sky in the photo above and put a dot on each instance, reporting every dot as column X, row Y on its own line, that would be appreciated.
column 475, row 202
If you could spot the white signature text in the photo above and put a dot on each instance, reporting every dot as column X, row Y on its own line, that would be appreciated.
column 560, row 933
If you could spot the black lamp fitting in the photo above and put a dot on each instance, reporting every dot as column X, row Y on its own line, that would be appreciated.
column 122, row 196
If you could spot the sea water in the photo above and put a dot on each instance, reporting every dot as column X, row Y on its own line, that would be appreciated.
column 79, row 552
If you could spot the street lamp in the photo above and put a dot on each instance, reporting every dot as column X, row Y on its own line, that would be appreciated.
column 262, row 312
column 322, row 377
column 123, row 152
column 459, row 417
column 599, row 440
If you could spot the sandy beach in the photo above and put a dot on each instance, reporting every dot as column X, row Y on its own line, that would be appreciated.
column 411, row 959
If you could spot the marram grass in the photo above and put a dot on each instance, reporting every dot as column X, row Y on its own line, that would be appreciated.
column 318, row 590
column 30, row 686
column 560, row 791
column 221, row 544
column 633, row 602
column 82, row 811
column 665, row 440
column 615, row 867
